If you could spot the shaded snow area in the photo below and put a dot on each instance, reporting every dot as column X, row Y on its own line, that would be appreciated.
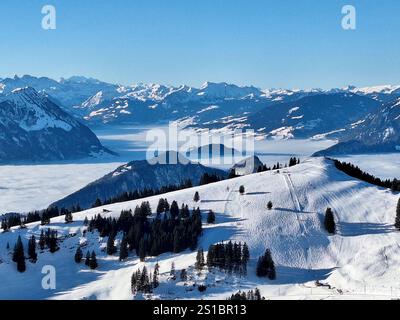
column 361, row 261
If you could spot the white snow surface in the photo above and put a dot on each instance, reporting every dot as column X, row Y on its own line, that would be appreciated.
column 361, row 261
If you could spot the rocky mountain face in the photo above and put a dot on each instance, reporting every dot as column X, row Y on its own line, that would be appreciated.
column 33, row 128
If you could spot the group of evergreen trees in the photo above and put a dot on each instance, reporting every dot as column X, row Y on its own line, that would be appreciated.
column 145, row 193
column 293, row 161
column 90, row 259
column 43, row 216
column 49, row 239
column 356, row 172
column 177, row 230
column 229, row 256
column 143, row 281
column 250, row 295
column 207, row 178
column 266, row 266
column 329, row 221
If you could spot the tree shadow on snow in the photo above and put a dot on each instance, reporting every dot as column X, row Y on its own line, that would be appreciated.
column 256, row 193
column 293, row 210
column 348, row 229
column 290, row 275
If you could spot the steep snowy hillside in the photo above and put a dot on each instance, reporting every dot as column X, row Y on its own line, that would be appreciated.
column 137, row 176
column 378, row 132
column 360, row 261
column 33, row 128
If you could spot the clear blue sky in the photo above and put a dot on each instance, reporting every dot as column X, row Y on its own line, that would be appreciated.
column 280, row 43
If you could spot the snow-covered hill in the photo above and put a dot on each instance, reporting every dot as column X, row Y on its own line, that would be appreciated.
column 33, row 128
column 137, row 176
column 360, row 261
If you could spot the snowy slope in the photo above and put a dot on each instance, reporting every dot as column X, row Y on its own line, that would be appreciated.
column 361, row 261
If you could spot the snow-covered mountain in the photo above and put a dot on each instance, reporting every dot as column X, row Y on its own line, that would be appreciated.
column 65, row 92
column 137, row 176
column 378, row 132
column 312, row 115
column 247, row 166
column 359, row 262
column 33, row 128
column 221, row 106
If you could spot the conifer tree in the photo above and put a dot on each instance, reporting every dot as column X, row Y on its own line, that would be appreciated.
column 245, row 254
column 183, row 275
column 123, row 251
column 241, row 190
column 86, row 222
column 397, row 223
column 156, row 273
column 42, row 240
column 68, row 217
column 172, row 271
column 210, row 217
column 111, row 248
column 160, row 206
column 78, row 255
column 200, row 259
column 196, row 197
column 18, row 255
column 266, row 266
column 93, row 261
column 97, row 203
column 142, row 250
column 32, row 249
column 329, row 221
column 87, row 259
column 269, row 205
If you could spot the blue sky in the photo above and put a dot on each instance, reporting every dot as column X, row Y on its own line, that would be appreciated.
column 285, row 43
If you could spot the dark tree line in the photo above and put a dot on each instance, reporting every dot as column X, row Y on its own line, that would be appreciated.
column 207, row 178
column 175, row 231
column 356, row 172
column 229, row 256
column 145, row 193
column 249, row 295
column 292, row 162
column 266, row 266
column 43, row 216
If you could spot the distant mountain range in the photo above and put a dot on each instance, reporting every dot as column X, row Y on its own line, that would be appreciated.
column 34, row 128
column 222, row 107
